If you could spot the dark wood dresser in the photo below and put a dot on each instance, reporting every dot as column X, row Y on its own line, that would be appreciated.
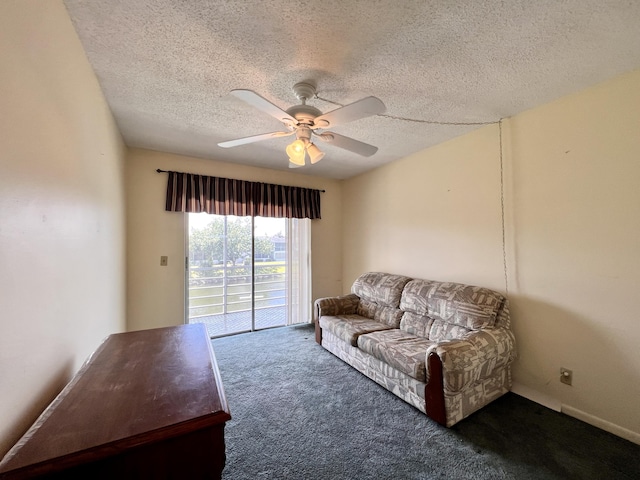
column 145, row 405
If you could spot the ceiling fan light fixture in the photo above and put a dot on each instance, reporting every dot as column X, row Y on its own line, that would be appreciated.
column 297, row 159
column 295, row 148
column 315, row 154
column 296, row 151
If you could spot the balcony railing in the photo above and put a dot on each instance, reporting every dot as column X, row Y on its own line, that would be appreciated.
column 226, row 289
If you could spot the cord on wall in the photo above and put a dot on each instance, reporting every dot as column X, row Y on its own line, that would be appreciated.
column 504, row 247
column 415, row 120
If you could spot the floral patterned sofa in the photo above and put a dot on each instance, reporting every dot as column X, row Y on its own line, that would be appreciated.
column 445, row 348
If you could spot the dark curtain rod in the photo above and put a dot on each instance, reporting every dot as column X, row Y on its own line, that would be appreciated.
column 167, row 171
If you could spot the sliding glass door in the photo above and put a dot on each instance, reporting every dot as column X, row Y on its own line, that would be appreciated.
column 247, row 273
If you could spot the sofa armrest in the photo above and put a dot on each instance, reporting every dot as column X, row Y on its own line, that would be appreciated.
column 343, row 305
column 474, row 357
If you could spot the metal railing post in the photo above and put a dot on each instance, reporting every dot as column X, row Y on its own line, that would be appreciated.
column 224, row 269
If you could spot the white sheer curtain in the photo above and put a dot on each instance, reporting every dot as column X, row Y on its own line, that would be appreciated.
column 299, row 270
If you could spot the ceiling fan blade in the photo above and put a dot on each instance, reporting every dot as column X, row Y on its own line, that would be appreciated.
column 255, row 100
column 253, row 138
column 348, row 143
column 354, row 111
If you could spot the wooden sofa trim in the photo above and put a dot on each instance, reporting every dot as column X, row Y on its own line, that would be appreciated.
column 434, row 391
column 318, row 331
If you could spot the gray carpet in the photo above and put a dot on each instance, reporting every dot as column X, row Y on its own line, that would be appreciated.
column 298, row 412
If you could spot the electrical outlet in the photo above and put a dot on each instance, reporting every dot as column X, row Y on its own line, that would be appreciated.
column 164, row 261
column 566, row 376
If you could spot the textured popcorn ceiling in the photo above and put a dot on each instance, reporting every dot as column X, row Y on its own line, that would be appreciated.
column 166, row 66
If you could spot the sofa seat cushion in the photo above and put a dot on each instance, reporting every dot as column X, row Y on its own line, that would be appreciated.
column 399, row 349
column 349, row 327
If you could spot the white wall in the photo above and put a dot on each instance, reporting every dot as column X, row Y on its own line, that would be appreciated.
column 61, row 211
column 572, row 236
column 156, row 294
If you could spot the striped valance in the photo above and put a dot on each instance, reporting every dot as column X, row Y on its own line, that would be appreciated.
column 187, row 192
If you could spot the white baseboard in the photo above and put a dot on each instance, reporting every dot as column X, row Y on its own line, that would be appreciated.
column 554, row 404
column 602, row 424
column 535, row 396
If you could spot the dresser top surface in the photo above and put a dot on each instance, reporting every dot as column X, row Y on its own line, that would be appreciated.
column 136, row 388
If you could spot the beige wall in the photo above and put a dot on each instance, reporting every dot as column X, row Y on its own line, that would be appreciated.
column 435, row 214
column 572, row 180
column 575, row 245
column 155, row 293
column 61, row 211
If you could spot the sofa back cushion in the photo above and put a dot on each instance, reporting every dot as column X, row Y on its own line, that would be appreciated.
column 384, row 289
column 387, row 315
column 380, row 295
column 416, row 324
column 448, row 309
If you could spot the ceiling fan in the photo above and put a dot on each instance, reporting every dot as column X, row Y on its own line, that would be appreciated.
column 306, row 121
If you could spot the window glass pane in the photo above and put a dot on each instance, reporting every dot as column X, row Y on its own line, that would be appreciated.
column 246, row 274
